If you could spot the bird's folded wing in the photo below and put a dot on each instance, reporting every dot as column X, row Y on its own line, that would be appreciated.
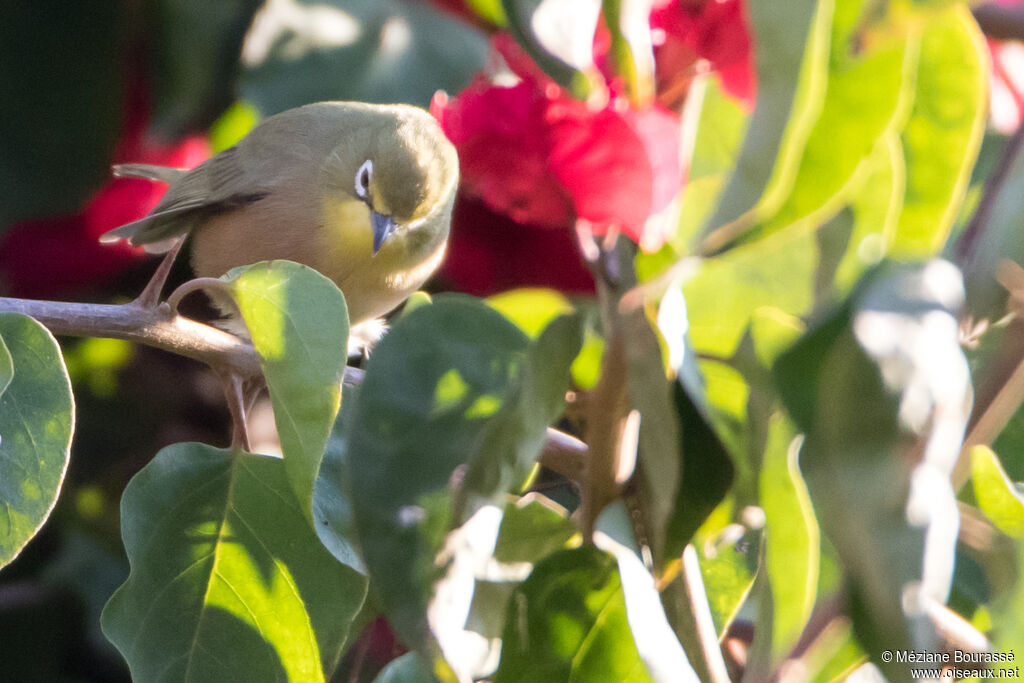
column 219, row 184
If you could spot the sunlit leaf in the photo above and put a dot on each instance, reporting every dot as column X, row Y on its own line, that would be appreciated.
column 1000, row 499
column 943, row 134
column 36, row 423
column 727, row 553
column 299, row 325
column 867, row 93
column 431, row 386
column 792, row 49
column 531, row 309
column 233, row 125
column 791, row 549
column 228, row 580
column 568, row 622
column 515, row 435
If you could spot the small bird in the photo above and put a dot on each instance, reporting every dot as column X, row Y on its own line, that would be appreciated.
column 363, row 193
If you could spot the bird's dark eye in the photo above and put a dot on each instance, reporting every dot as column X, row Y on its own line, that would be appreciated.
column 363, row 177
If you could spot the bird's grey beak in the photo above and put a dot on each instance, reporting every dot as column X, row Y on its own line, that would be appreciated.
column 383, row 227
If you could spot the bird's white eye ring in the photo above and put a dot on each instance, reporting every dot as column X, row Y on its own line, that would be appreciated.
column 363, row 176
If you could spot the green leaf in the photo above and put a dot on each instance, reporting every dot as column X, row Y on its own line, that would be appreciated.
column 792, row 51
column 559, row 37
column 791, row 549
column 298, row 323
column 727, row 554
column 409, row 668
column 233, row 125
column 707, row 471
column 867, row 94
column 377, row 51
column 332, row 509
column 876, row 210
column 196, row 61
column 720, row 131
column 942, row 137
column 61, row 69
column 531, row 309
column 775, row 272
column 228, row 580
column 431, row 387
column 514, row 437
column 883, row 424
column 568, row 622
column 530, row 530
column 36, row 424
column 998, row 497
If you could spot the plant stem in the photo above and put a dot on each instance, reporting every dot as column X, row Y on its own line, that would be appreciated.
column 153, row 326
column 158, row 326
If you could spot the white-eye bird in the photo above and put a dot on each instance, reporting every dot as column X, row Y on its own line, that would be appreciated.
column 363, row 193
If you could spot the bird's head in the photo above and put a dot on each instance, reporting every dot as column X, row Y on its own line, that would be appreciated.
column 405, row 171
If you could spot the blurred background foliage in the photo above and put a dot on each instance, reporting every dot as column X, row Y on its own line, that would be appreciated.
column 849, row 151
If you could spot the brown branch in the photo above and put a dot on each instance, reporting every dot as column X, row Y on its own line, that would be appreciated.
column 154, row 326
column 158, row 326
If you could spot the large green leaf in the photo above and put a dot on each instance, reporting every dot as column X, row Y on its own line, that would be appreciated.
column 431, row 386
column 999, row 498
column 228, row 580
column 792, row 49
column 568, row 622
column 942, row 137
column 61, row 70
column 514, row 437
column 868, row 92
column 883, row 424
column 298, row 323
column 727, row 553
column 36, row 423
column 366, row 50
column 332, row 510
column 790, row 585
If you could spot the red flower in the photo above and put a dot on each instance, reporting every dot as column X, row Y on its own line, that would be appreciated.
column 535, row 154
column 488, row 252
column 715, row 30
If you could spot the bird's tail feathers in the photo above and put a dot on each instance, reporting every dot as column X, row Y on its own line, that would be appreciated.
column 157, row 232
column 163, row 174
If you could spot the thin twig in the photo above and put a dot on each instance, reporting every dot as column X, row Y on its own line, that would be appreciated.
column 153, row 326
column 967, row 244
column 150, row 296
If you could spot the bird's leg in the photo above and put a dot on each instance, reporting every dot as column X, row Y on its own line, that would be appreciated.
column 150, row 295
